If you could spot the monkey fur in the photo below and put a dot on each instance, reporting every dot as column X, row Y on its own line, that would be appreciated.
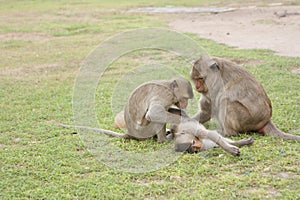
column 234, row 97
column 147, row 110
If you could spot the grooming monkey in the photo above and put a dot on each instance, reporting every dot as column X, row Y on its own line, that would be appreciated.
column 234, row 97
column 148, row 109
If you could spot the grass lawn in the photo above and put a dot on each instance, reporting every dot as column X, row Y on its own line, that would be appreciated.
column 42, row 44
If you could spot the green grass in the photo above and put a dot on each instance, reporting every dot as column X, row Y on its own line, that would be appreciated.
column 42, row 45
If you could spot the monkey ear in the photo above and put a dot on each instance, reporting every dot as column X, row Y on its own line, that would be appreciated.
column 215, row 67
column 173, row 84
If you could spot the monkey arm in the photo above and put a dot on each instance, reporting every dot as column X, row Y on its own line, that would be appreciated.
column 177, row 111
column 197, row 116
column 204, row 114
column 157, row 113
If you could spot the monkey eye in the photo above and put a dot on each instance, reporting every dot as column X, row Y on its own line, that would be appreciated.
column 200, row 78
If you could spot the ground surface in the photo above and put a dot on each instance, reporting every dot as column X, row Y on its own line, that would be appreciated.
column 42, row 46
column 247, row 27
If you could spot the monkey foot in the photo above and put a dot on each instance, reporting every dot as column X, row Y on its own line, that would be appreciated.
column 170, row 136
column 245, row 141
column 234, row 151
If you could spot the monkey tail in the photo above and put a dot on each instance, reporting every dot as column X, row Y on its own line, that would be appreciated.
column 271, row 129
column 104, row 131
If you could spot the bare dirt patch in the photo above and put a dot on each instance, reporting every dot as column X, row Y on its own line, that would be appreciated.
column 247, row 27
column 23, row 71
column 296, row 70
column 24, row 36
column 250, row 62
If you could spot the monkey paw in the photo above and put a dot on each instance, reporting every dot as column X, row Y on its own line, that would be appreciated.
column 249, row 141
column 242, row 142
column 170, row 135
column 234, row 151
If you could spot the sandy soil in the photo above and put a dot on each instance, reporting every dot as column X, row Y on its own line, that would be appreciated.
column 248, row 27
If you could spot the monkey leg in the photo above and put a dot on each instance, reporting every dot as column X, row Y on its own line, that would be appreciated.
column 174, row 127
column 161, row 135
column 221, row 141
column 242, row 142
column 208, row 144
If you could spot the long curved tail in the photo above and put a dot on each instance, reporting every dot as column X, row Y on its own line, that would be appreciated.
column 104, row 131
column 271, row 129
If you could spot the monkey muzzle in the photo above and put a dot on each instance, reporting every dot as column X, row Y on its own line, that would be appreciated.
column 190, row 147
column 182, row 104
column 186, row 147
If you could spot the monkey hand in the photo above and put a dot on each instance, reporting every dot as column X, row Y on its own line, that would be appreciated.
column 170, row 135
column 184, row 114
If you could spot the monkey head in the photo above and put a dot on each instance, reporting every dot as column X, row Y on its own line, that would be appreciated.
column 185, row 142
column 202, row 71
column 182, row 90
column 185, row 137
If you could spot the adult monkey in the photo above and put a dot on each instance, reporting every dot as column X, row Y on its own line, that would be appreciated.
column 148, row 109
column 234, row 97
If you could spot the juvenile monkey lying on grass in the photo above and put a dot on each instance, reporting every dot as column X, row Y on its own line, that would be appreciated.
column 191, row 136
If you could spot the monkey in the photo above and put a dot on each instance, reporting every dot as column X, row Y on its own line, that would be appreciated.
column 234, row 97
column 192, row 137
column 146, row 111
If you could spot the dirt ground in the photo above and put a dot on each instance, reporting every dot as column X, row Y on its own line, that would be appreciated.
column 273, row 27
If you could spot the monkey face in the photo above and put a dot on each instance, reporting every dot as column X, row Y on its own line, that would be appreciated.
column 204, row 73
column 182, row 103
column 187, row 143
column 183, row 91
column 199, row 81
